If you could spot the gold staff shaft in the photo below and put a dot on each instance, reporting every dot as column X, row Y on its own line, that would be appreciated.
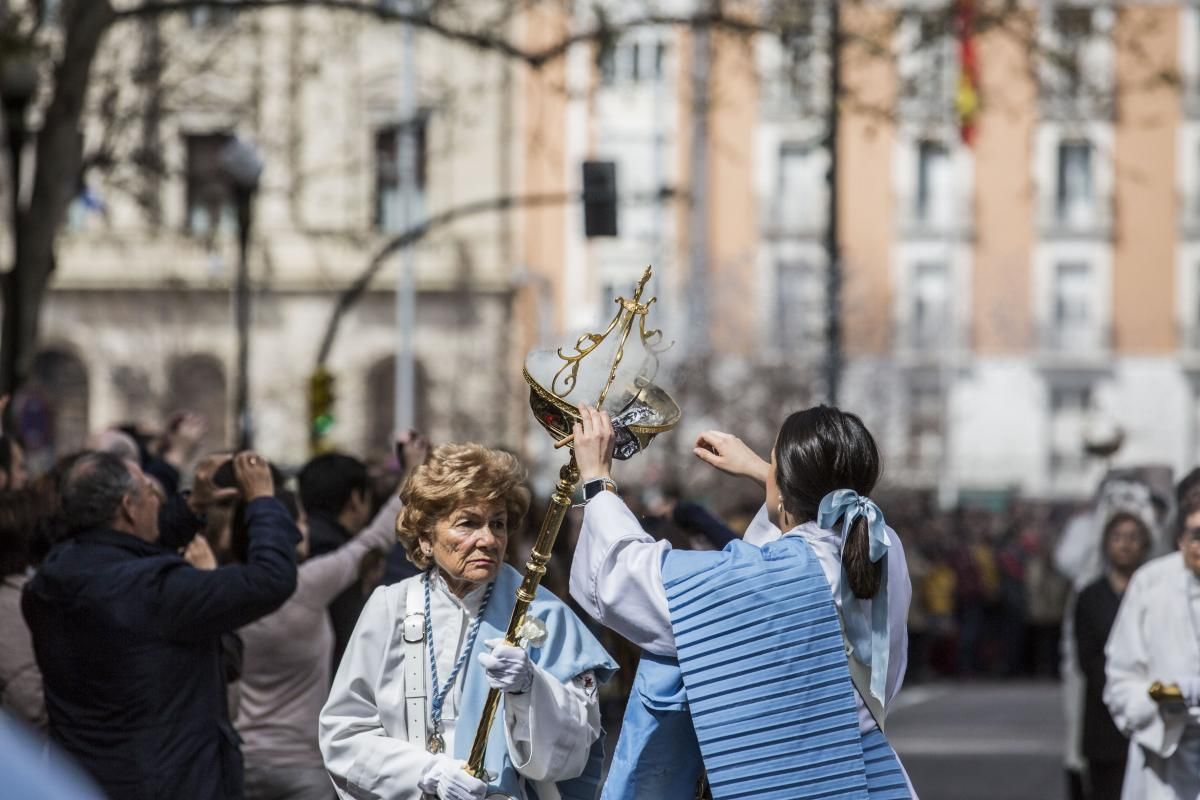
column 535, row 568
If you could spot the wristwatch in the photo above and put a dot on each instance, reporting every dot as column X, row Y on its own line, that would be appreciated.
column 597, row 485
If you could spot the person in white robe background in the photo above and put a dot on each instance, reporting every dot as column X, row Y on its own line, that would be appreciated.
column 458, row 510
column 1078, row 557
column 617, row 568
column 1156, row 638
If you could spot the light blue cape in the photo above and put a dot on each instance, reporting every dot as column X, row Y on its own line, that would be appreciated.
column 760, row 695
column 569, row 649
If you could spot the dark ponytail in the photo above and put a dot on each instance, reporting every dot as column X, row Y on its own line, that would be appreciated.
column 865, row 575
column 821, row 450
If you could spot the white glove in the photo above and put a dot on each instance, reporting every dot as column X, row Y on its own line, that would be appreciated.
column 446, row 778
column 1189, row 687
column 508, row 668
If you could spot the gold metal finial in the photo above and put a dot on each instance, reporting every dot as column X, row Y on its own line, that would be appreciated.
column 628, row 310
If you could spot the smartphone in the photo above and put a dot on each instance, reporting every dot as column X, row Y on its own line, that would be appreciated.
column 399, row 448
column 224, row 477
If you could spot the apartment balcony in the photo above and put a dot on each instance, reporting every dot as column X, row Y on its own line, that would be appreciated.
column 925, row 220
column 1082, row 220
column 929, row 346
column 1189, row 96
column 1188, row 337
column 784, row 101
column 792, row 224
column 1189, row 216
column 1061, row 100
column 1075, row 347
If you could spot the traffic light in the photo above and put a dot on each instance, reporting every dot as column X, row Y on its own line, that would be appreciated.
column 599, row 198
column 320, row 409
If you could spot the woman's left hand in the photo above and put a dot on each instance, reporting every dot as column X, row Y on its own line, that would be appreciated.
column 508, row 668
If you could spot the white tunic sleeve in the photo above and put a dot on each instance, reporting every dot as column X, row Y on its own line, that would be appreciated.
column 1128, row 678
column 551, row 728
column 360, row 756
column 616, row 575
column 761, row 529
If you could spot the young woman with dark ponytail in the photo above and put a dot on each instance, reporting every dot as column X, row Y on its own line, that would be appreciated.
column 770, row 664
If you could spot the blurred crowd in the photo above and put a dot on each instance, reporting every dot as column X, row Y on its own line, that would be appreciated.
column 247, row 581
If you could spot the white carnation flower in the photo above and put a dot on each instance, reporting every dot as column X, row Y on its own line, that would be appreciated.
column 533, row 632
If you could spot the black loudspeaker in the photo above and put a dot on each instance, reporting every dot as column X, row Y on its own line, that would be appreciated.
column 599, row 198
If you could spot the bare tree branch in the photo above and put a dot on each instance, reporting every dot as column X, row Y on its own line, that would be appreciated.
column 351, row 294
column 484, row 39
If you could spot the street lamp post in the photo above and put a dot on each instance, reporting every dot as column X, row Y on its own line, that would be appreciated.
column 243, row 166
column 18, row 86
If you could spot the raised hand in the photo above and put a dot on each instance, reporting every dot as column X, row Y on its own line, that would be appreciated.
column 412, row 448
column 253, row 475
column 199, row 553
column 204, row 492
column 730, row 454
column 593, row 443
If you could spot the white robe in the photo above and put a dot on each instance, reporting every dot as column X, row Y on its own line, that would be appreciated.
column 1155, row 637
column 616, row 576
column 363, row 733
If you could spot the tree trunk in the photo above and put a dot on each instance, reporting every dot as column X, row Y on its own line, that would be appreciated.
column 58, row 157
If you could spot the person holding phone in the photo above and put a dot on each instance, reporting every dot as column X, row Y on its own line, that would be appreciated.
column 286, row 669
column 127, row 633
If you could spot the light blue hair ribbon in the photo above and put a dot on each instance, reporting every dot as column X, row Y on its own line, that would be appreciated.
column 870, row 645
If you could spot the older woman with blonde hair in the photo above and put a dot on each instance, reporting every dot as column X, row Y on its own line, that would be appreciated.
column 410, row 690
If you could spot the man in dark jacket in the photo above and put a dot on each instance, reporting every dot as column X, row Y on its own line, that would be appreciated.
column 127, row 634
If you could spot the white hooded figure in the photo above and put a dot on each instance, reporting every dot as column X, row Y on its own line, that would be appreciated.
column 1079, row 558
column 1156, row 638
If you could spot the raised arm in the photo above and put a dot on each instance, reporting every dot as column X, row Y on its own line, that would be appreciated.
column 326, row 576
column 616, row 573
column 194, row 604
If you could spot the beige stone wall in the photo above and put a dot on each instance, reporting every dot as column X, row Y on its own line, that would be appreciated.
column 309, row 87
column 1004, row 207
column 1146, row 205
column 866, row 203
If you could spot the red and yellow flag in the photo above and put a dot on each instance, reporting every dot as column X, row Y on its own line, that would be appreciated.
column 966, row 100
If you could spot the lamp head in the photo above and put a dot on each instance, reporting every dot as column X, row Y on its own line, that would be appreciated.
column 241, row 161
column 615, row 371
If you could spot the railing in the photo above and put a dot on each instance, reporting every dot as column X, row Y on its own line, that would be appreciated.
column 930, row 343
column 783, row 223
column 1189, row 215
column 1091, row 219
column 1189, row 97
column 1188, row 334
column 931, row 220
column 1075, row 342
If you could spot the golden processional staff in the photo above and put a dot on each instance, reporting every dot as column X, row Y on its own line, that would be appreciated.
column 615, row 371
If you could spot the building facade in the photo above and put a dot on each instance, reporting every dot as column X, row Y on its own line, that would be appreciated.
column 1003, row 301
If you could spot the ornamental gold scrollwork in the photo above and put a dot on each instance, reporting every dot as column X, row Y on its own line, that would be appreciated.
column 567, row 375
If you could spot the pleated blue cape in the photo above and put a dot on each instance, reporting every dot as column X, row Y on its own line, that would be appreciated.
column 569, row 650
column 760, row 695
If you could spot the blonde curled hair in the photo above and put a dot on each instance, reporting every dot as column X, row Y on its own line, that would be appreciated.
column 458, row 475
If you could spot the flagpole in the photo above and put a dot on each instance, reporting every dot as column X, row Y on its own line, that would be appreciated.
column 960, row 115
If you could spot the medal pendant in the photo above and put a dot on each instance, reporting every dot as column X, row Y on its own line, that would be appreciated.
column 436, row 743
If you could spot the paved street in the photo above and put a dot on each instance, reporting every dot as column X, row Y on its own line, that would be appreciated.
column 981, row 741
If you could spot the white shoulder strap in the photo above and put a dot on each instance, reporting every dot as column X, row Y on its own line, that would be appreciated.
column 414, row 664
